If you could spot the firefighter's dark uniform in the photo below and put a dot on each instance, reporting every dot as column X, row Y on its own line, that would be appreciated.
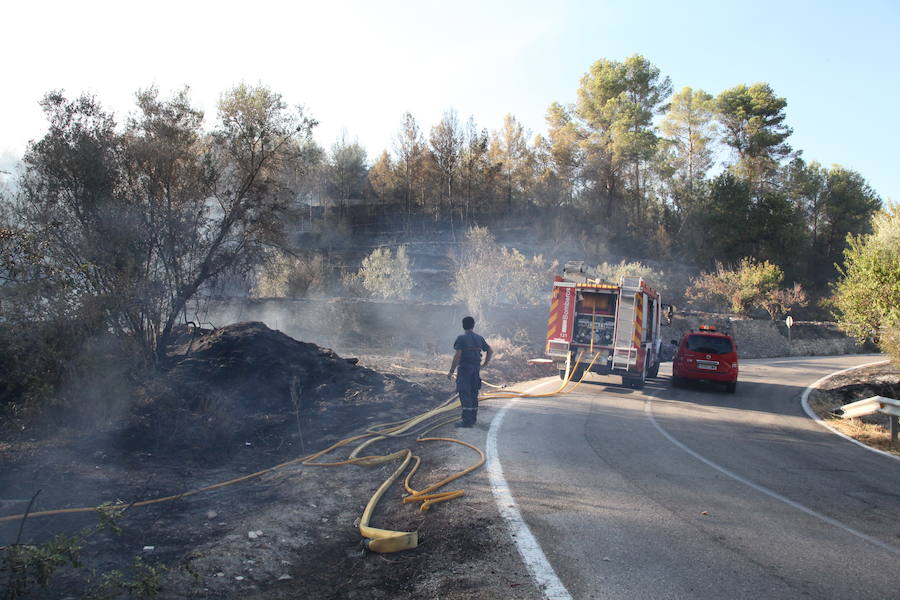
column 468, row 374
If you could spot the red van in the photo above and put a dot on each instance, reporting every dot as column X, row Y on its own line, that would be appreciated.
column 706, row 355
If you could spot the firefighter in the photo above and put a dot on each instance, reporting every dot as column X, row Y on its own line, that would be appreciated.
column 468, row 348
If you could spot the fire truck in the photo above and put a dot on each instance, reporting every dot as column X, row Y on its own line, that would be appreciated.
column 612, row 329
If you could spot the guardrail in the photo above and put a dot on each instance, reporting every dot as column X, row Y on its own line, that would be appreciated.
column 874, row 404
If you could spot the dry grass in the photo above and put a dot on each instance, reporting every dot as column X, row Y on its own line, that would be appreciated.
column 510, row 361
column 872, row 430
column 871, row 434
column 504, row 347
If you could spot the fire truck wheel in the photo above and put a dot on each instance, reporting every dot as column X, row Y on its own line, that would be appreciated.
column 654, row 370
column 633, row 382
column 578, row 373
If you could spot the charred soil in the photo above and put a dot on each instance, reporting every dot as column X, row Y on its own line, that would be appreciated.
column 232, row 402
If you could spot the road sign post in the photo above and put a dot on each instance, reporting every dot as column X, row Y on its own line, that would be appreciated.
column 790, row 323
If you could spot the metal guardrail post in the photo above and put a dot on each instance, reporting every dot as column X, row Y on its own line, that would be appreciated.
column 867, row 406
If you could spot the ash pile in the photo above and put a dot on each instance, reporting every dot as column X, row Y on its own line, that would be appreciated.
column 248, row 385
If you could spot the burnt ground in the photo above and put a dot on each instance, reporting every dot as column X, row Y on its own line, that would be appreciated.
column 224, row 409
column 876, row 380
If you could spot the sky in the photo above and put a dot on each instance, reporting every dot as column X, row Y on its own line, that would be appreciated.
column 357, row 66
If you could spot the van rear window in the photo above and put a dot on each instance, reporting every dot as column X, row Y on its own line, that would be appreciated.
column 709, row 344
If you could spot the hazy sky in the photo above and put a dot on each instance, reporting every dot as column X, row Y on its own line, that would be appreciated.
column 358, row 66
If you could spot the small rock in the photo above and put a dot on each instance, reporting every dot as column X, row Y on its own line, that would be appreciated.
column 247, row 444
column 220, row 574
column 149, row 548
column 606, row 558
column 239, row 578
column 704, row 513
column 284, row 577
column 211, row 514
column 254, row 534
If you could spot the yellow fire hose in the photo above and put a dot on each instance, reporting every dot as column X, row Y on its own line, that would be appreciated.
column 379, row 540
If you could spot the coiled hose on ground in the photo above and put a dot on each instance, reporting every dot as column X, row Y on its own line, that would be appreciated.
column 377, row 540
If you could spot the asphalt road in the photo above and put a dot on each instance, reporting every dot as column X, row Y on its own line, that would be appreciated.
column 695, row 493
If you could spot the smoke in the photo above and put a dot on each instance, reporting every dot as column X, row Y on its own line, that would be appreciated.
column 10, row 168
column 351, row 325
column 430, row 321
column 10, row 165
column 99, row 383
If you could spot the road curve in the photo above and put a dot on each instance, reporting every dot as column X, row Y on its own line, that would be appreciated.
column 695, row 493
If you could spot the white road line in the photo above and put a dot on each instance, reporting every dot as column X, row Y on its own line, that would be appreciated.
column 648, row 410
column 804, row 401
column 528, row 546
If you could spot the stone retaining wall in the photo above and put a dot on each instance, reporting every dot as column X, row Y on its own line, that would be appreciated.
column 758, row 338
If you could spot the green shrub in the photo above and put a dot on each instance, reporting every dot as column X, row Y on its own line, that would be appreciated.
column 750, row 285
column 26, row 567
column 867, row 295
column 383, row 274
column 488, row 274
column 613, row 272
column 291, row 276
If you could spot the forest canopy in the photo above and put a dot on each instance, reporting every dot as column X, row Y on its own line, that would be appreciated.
column 115, row 228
